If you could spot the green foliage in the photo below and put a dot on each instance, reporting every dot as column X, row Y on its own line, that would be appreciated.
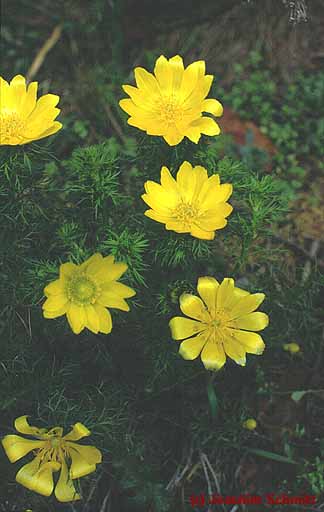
column 292, row 118
column 314, row 475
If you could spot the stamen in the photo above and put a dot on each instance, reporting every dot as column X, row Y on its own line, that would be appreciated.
column 185, row 212
column 82, row 290
column 11, row 125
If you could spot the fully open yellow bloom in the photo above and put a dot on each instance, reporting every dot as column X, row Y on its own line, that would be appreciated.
column 23, row 118
column 224, row 317
column 193, row 203
column 53, row 452
column 170, row 103
column 83, row 292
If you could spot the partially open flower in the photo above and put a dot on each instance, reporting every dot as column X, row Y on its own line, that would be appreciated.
column 53, row 452
column 23, row 118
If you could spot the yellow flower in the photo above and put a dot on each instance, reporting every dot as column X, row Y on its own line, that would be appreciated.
column 293, row 348
column 170, row 102
column 23, row 118
column 250, row 424
column 53, row 452
column 220, row 324
column 83, row 292
column 193, row 203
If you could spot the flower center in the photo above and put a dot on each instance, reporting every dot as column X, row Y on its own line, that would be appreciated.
column 185, row 212
column 170, row 110
column 11, row 125
column 219, row 323
column 82, row 290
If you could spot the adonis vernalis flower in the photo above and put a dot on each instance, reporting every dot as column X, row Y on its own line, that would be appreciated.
column 23, row 118
column 84, row 292
column 53, row 452
column 191, row 203
column 170, row 103
column 220, row 324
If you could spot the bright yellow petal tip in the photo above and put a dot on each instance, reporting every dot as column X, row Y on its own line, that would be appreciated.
column 190, row 203
column 219, row 323
column 85, row 292
column 23, row 117
column 250, row 424
column 170, row 103
column 293, row 348
column 53, row 452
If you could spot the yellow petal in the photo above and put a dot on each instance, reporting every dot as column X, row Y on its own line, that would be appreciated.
column 213, row 356
column 213, row 107
column 67, row 270
column 112, row 300
column 17, row 447
column 177, row 225
column 110, row 271
column 191, row 76
column 84, row 459
column 76, row 318
column 194, row 307
column 65, row 490
column 45, row 106
column 251, row 322
column 234, row 350
column 22, row 426
column 54, row 288
column 191, row 348
column 215, row 195
column 78, row 432
column 251, row 341
column 29, row 102
column 207, row 288
column 238, row 293
column 161, row 196
column 56, row 313
column 158, row 217
column 198, row 232
column 146, row 81
column 156, row 205
column 164, row 74
column 177, row 73
column 140, row 99
column 92, row 264
column 173, row 136
column 193, row 134
column 225, row 292
column 199, row 93
column 38, row 477
column 92, row 319
column 120, row 289
column 56, row 302
column 206, row 125
column 186, row 179
column 40, row 134
column 184, row 327
column 247, row 305
column 105, row 321
column 210, row 224
column 18, row 85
